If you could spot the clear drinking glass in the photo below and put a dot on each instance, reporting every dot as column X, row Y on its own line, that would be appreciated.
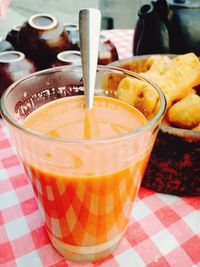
column 85, row 210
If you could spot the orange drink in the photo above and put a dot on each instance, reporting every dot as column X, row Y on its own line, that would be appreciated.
column 85, row 166
column 93, row 207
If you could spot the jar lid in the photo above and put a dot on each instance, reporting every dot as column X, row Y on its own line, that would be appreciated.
column 70, row 56
column 11, row 56
column 16, row 28
column 43, row 21
column 70, row 26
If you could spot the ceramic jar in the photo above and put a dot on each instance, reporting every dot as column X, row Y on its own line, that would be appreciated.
column 73, row 33
column 107, row 50
column 13, row 66
column 70, row 57
column 41, row 38
column 151, row 34
column 12, row 36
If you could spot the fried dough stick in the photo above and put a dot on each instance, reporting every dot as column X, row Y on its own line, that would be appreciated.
column 174, row 77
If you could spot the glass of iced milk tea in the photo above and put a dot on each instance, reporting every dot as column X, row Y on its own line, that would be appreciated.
column 85, row 166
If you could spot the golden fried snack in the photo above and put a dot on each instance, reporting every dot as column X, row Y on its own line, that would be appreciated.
column 135, row 65
column 186, row 112
column 110, row 83
column 127, row 90
column 197, row 128
column 176, row 76
column 173, row 76
column 191, row 91
column 138, row 94
column 157, row 63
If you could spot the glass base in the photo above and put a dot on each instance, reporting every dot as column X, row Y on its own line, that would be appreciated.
column 85, row 253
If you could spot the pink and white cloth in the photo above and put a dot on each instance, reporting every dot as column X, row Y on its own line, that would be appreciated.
column 164, row 230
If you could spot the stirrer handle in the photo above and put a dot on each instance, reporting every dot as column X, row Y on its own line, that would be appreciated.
column 89, row 30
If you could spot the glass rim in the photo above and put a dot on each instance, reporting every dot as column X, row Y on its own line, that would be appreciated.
column 145, row 127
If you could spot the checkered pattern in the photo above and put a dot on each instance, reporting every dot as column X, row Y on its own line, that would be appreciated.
column 123, row 40
column 3, row 6
column 71, row 209
column 164, row 230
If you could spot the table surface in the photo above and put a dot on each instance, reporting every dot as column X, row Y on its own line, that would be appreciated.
column 164, row 230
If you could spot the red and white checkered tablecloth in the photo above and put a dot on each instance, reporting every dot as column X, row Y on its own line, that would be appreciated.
column 123, row 40
column 3, row 7
column 164, row 230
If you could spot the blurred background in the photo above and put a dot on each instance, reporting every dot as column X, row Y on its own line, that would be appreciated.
column 119, row 14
